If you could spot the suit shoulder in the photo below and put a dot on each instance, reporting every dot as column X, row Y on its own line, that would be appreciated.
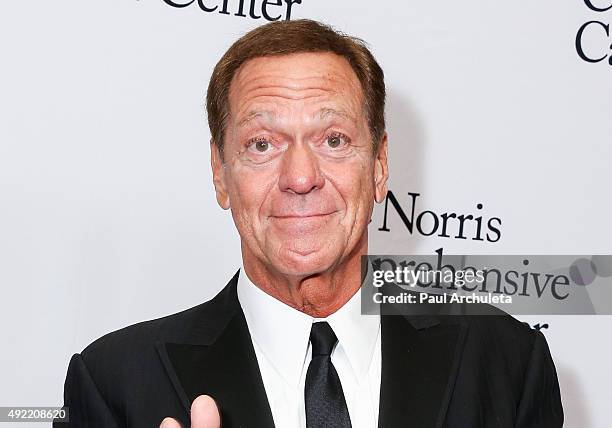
column 503, row 325
column 136, row 343
column 487, row 322
column 141, row 332
column 133, row 340
column 499, row 337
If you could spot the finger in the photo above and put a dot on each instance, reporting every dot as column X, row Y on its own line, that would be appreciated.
column 170, row 423
column 204, row 413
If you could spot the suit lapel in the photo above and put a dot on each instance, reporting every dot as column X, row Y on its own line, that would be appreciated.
column 420, row 359
column 223, row 365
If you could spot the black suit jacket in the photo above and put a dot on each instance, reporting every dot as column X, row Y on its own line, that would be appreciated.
column 445, row 371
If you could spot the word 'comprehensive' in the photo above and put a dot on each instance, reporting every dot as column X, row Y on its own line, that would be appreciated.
column 496, row 280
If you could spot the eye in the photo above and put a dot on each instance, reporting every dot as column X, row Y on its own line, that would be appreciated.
column 260, row 145
column 336, row 140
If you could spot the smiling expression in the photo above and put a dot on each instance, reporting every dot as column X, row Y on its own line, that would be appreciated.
column 298, row 170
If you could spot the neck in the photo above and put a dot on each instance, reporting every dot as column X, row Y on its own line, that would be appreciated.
column 318, row 295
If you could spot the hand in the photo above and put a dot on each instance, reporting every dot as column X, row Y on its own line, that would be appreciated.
column 204, row 414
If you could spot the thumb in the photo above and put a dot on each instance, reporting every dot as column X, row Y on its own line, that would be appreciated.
column 204, row 413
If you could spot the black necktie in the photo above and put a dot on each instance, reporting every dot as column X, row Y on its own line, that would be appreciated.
column 325, row 404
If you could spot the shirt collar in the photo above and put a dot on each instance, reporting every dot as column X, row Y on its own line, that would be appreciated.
column 282, row 332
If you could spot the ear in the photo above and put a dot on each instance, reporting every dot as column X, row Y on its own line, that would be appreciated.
column 381, row 171
column 218, row 171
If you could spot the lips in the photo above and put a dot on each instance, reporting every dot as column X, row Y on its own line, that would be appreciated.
column 302, row 215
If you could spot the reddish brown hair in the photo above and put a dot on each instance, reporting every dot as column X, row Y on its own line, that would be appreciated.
column 291, row 37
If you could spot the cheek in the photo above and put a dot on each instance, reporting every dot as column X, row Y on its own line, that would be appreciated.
column 355, row 185
column 249, row 191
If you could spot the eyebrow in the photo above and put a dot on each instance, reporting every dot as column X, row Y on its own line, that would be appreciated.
column 323, row 114
column 255, row 114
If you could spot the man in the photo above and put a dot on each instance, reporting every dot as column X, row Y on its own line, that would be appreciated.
column 299, row 155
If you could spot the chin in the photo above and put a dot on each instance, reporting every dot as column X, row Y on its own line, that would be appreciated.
column 304, row 263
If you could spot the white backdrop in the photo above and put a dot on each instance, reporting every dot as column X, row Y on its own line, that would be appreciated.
column 107, row 211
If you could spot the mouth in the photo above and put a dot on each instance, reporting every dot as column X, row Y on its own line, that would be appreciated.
column 302, row 216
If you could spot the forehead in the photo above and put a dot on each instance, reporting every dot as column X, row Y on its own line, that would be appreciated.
column 304, row 80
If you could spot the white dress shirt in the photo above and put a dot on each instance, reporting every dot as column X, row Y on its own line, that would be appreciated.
column 280, row 336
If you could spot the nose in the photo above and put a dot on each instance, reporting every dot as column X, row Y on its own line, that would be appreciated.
column 300, row 171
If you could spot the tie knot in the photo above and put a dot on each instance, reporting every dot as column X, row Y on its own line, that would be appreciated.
column 322, row 338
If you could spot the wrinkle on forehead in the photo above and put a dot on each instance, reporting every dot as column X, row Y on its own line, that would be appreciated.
column 279, row 91
column 299, row 77
column 297, row 71
column 297, row 82
column 322, row 114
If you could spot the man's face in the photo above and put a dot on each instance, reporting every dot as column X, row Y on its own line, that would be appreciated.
column 298, row 172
